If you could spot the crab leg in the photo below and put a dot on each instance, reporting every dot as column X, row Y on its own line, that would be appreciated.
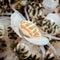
column 43, row 51
column 53, row 37
column 26, row 13
column 11, row 6
column 50, row 45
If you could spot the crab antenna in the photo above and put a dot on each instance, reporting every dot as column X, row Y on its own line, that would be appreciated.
column 12, row 6
column 26, row 12
column 43, row 52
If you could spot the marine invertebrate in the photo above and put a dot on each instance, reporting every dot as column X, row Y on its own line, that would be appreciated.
column 29, row 31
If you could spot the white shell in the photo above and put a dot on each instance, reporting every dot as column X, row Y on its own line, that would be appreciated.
column 50, row 5
column 15, row 17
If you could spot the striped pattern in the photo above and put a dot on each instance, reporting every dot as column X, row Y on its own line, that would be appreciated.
column 49, row 27
column 35, row 10
column 29, row 29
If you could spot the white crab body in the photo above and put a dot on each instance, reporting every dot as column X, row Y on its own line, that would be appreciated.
column 18, row 22
column 29, row 31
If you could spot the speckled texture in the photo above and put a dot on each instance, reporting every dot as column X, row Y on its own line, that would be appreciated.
column 11, row 38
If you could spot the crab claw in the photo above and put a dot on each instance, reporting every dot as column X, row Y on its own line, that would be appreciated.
column 14, row 21
column 38, row 41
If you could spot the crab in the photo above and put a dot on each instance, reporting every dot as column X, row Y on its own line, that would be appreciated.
column 30, row 32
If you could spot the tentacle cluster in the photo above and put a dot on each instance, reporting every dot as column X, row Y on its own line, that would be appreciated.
column 23, row 52
column 49, row 27
column 2, row 45
column 35, row 10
